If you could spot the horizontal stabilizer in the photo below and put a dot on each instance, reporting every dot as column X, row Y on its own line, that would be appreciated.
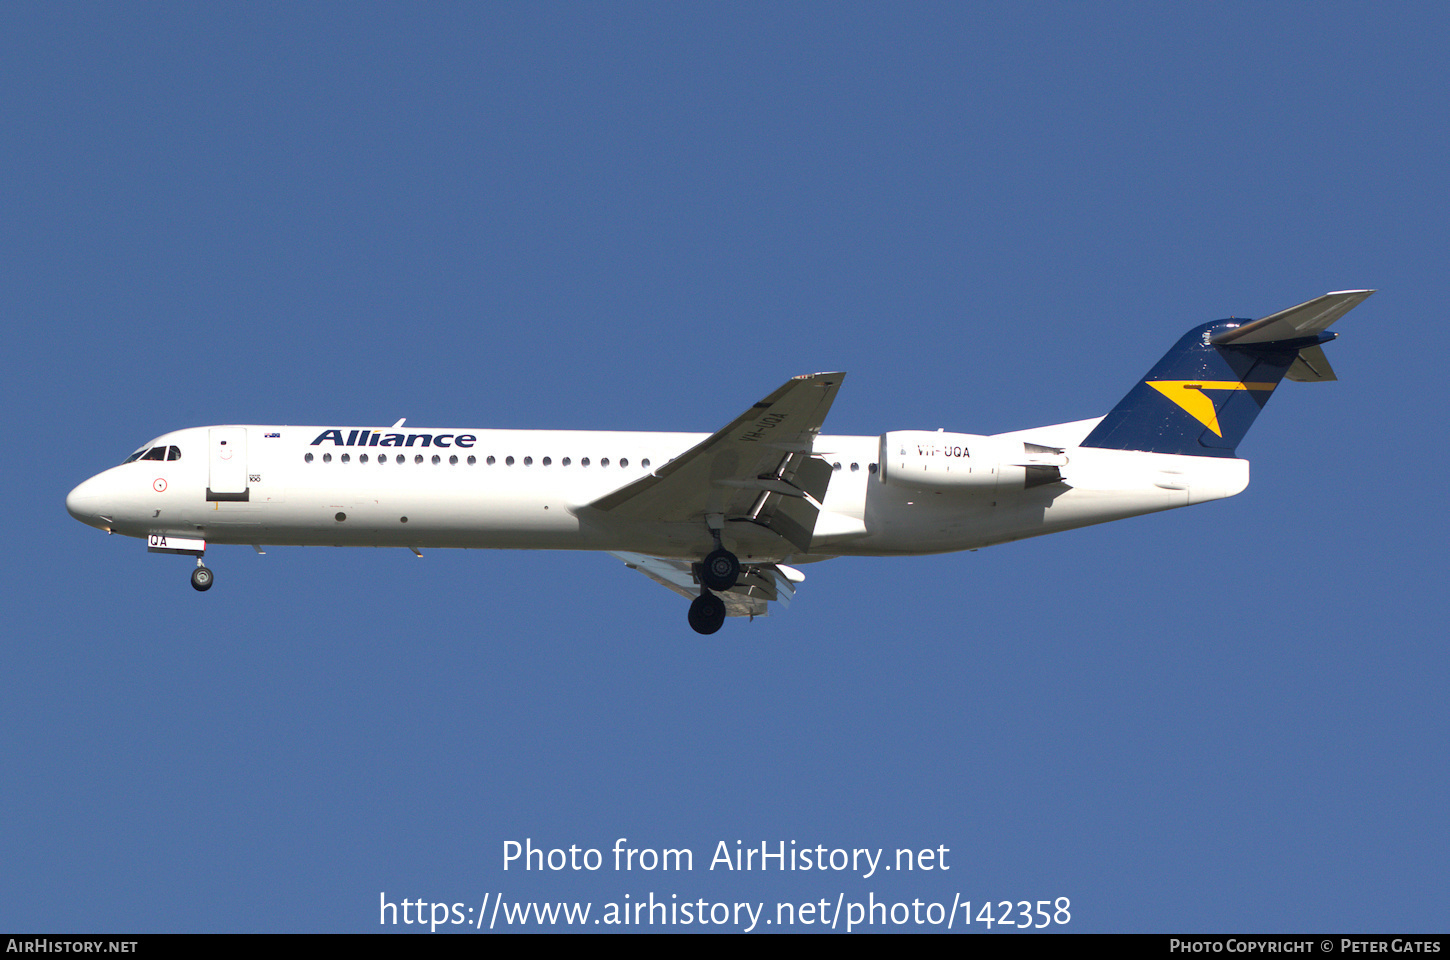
column 1308, row 319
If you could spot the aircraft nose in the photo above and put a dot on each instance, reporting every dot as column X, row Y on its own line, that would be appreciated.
column 84, row 503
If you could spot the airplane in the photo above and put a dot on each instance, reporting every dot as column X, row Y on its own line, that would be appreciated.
column 724, row 519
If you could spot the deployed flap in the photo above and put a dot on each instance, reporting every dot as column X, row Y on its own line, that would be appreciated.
column 758, row 584
column 759, row 468
column 1308, row 319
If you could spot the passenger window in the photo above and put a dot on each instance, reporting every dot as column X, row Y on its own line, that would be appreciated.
column 307, row 457
column 437, row 459
column 347, row 458
column 327, row 458
column 624, row 461
column 453, row 461
column 472, row 461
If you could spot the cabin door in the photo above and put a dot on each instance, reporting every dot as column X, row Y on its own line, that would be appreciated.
column 228, row 477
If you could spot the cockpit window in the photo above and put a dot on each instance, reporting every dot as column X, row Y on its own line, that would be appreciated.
column 155, row 453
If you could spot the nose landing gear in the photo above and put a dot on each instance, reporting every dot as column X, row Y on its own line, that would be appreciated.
column 202, row 577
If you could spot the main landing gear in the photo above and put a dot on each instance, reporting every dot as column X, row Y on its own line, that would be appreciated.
column 202, row 577
column 719, row 573
column 707, row 613
column 720, row 570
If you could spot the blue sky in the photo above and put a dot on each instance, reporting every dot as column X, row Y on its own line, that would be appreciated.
column 623, row 216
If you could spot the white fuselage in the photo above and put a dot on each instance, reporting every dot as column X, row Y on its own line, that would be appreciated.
column 529, row 489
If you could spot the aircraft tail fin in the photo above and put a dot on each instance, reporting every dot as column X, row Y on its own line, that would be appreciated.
column 1203, row 396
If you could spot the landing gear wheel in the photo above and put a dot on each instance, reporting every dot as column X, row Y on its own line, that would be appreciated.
column 720, row 570
column 707, row 613
column 202, row 579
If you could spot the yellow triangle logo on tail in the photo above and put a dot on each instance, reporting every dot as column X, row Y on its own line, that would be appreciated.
column 1190, row 396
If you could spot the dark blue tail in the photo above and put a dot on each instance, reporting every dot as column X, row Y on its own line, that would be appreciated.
column 1204, row 394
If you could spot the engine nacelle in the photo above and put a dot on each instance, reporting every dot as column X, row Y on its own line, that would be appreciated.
column 926, row 460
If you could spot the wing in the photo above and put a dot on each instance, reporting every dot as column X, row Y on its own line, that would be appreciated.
column 758, row 469
column 758, row 584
